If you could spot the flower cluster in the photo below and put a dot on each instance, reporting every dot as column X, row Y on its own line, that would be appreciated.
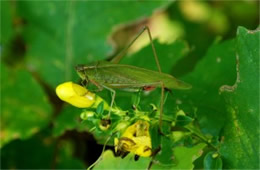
column 136, row 138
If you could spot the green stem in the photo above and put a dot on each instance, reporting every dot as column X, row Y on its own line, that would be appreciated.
column 200, row 135
column 103, row 150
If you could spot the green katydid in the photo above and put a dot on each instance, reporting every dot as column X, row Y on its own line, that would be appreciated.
column 111, row 75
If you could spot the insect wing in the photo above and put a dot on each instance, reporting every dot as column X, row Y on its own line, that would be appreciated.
column 127, row 75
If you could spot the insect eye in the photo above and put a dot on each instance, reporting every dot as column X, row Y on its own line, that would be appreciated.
column 79, row 67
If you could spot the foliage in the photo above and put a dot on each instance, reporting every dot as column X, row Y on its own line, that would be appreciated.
column 214, row 46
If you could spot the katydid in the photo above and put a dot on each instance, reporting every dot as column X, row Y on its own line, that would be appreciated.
column 111, row 75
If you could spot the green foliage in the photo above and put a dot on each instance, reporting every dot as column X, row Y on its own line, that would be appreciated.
column 25, row 108
column 212, row 161
column 214, row 70
column 185, row 156
column 214, row 125
column 241, row 143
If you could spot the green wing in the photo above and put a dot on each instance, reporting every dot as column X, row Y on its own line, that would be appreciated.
column 124, row 76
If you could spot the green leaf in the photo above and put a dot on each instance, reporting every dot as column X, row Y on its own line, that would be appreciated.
column 183, row 157
column 186, row 156
column 240, row 142
column 100, row 108
column 164, row 158
column 204, row 100
column 212, row 161
column 155, row 136
column 109, row 161
column 61, row 35
column 182, row 120
column 25, row 108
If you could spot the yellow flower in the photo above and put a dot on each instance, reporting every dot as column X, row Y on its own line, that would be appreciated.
column 135, row 139
column 78, row 96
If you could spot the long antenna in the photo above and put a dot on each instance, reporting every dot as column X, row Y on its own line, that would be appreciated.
column 117, row 58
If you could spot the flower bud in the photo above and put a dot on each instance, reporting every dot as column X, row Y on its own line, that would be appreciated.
column 86, row 115
column 78, row 96
column 75, row 95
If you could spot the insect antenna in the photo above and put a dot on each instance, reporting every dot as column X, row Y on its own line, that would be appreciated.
column 117, row 58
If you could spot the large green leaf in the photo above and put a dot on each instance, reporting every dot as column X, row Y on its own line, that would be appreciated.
column 183, row 157
column 186, row 156
column 24, row 106
column 240, row 145
column 215, row 69
column 61, row 35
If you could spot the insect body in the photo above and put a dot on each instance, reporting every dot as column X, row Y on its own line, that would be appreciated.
column 111, row 75
column 122, row 76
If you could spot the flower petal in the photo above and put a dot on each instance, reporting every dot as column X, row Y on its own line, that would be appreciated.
column 135, row 139
column 75, row 94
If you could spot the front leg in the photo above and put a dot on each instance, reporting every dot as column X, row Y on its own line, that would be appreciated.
column 161, row 108
column 84, row 83
column 113, row 97
column 100, row 88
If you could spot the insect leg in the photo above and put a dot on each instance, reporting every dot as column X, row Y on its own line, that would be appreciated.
column 161, row 105
column 161, row 84
column 154, row 51
column 155, row 152
column 157, row 84
column 84, row 82
column 117, row 58
column 100, row 88
column 113, row 97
